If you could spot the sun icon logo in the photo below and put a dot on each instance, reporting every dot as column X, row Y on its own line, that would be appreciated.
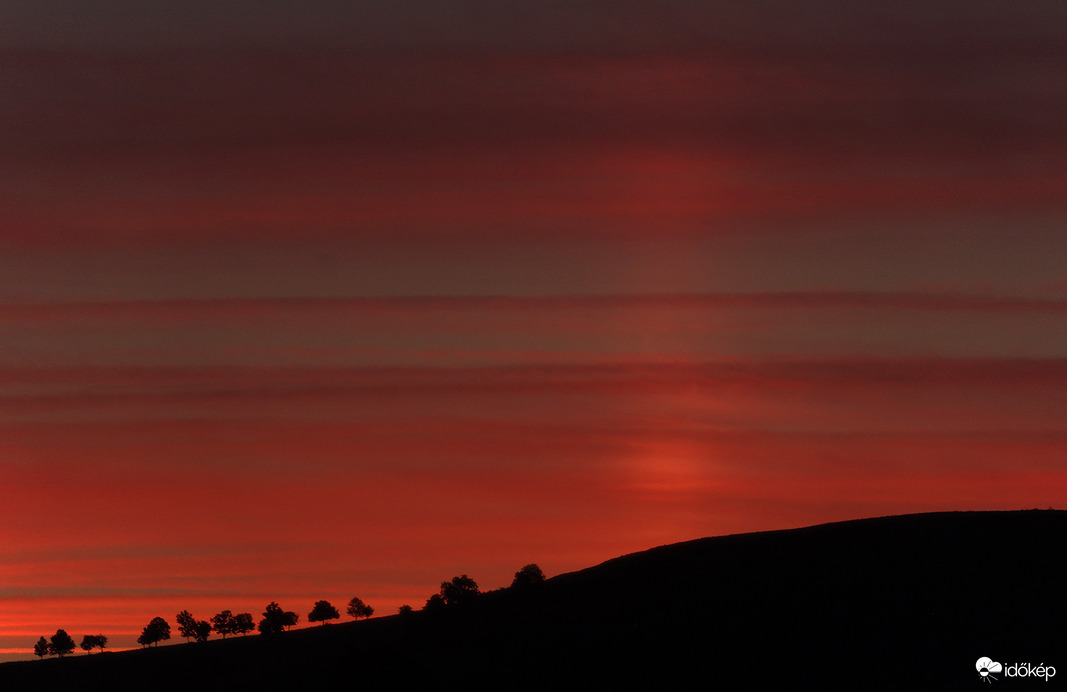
column 986, row 667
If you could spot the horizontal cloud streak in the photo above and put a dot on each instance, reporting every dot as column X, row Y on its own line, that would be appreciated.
column 183, row 310
column 465, row 331
column 327, row 142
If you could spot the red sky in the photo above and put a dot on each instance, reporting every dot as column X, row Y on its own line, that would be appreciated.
column 302, row 303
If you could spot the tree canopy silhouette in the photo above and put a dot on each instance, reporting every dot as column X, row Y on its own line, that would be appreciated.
column 434, row 603
column 530, row 575
column 154, row 632
column 276, row 620
column 461, row 589
column 93, row 641
column 202, row 630
column 223, row 623
column 358, row 609
column 191, row 628
column 273, row 620
column 60, row 644
column 322, row 612
column 40, row 649
column 243, row 623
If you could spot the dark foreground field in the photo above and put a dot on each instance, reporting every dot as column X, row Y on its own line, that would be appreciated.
column 908, row 602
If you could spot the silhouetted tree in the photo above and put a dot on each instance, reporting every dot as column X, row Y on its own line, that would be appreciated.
column 358, row 609
column 93, row 641
column 202, row 630
column 186, row 624
column 405, row 610
column 192, row 628
column 269, row 625
column 434, row 603
column 322, row 612
column 60, row 644
column 40, row 649
column 243, row 623
column 223, row 623
column 460, row 590
column 530, row 575
column 291, row 619
column 154, row 632
column 161, row 628
column 275, row 619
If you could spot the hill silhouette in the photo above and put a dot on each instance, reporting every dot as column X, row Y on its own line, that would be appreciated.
column 903, row 602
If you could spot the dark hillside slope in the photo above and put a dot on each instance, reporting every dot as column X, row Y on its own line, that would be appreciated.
column 922, row 596
column 908, row 602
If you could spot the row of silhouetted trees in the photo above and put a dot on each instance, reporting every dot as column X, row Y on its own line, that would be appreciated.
column 60, row 644
column 462, row 589
column 459, row 590
column 274, row 620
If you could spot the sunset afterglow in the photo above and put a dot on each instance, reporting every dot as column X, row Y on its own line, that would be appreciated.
column 314, row 301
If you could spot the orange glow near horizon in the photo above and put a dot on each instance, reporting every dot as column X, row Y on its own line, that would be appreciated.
column 449, row 474
column 305, row 310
